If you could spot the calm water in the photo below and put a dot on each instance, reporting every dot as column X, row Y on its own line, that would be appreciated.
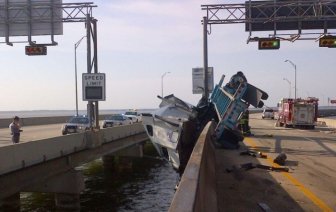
column 149, row 187
column 48, row 113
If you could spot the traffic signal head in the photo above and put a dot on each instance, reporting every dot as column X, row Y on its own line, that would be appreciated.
column 268, row 43
column 36, row 50
column 328, row 41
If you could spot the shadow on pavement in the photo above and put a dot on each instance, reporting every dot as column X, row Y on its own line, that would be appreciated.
column 325, row 151
column 244, row 190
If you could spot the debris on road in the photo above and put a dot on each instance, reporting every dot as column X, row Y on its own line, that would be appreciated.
column 280, row 159
column 254, row 153
column 249, row 166
column 264, row 207
column 267, row 135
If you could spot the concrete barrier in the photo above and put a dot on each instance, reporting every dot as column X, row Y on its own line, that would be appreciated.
column 197, row 188
column 331, row 123
column 4, row 123
column 18, row 156
column 327, row 112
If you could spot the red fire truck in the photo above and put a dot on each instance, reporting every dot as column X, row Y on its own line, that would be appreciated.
column 298, row 112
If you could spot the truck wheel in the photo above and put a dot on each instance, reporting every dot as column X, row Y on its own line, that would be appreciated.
column 281, row 124
column 64, row 132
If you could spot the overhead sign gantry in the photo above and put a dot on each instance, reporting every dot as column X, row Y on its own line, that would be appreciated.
column 29, row 18
column 311, row 19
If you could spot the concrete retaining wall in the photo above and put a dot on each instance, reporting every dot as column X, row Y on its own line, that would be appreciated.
column 17, row 156
column 197, row 188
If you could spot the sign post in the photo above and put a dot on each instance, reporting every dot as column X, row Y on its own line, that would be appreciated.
column 94, row 87
column 93, row 91
column 198, row 80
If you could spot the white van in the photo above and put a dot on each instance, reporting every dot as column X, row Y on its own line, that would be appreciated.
column 268, row 113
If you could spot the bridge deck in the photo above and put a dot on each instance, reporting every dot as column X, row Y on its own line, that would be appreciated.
column 309, row 185
column 31, row 133
column 31, row 162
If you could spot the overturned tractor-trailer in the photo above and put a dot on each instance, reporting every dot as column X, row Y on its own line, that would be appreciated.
column 176, row 125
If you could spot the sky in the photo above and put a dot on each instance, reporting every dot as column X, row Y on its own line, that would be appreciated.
column 140, row 40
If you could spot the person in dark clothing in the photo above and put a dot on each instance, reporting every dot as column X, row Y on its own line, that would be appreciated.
column 244, row 124
column 15, row 130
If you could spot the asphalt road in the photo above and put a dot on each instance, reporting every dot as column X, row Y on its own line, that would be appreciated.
column 311, row 157
column 31, row 133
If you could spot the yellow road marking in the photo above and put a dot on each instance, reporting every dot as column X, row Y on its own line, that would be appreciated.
column 317, row 201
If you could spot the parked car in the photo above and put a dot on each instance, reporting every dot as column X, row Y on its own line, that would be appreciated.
column 116, row 120
column 75, row 125
column 268, row 113
column 134, row 115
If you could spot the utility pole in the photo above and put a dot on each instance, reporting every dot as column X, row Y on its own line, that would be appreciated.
column 91, row 32
column 205, row 57
column 95, row 62
column 89, row 67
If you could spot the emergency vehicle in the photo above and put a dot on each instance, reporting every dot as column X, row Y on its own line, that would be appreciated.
column 298, row 112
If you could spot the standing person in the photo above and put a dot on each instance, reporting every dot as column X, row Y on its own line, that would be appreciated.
column 244, row 124
column 15, row 130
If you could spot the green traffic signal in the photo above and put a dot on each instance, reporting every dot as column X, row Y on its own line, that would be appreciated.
column 328, row 41
column 268, row 43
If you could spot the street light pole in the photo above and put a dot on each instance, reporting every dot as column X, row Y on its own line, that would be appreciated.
column 76, row 45
column 295, row 75
column 322, row 99
column 162, row 76
column 290, row 86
